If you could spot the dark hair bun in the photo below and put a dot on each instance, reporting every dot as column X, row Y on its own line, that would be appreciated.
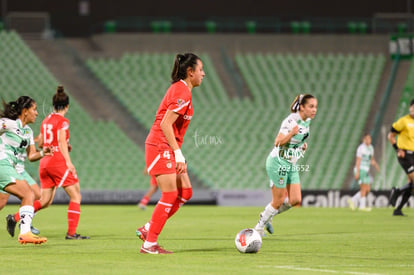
column 60, row 89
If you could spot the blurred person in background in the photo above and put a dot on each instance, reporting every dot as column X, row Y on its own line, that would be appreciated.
column 364, row 160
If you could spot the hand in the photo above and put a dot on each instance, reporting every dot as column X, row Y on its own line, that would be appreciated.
column 295, row 130
column 357, row 175
column 400, row 153
column 304, row 146
column 48, row 151
column 72, row 169
column 180, row 164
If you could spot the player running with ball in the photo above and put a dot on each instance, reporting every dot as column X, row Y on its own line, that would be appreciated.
column 281, row 165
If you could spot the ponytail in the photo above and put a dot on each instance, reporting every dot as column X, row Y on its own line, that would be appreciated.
column 13, row 109
column 299, row 100
column 181, row 63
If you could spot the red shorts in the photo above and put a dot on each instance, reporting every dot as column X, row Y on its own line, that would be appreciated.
column 159, row 159
column 153, row 181
column 56, row 176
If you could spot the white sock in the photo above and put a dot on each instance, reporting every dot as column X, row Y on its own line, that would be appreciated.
column 26, row 213
column 148, row 244
column 147, row 226
column 356, row 198
column 363, row 202
column 265, row 216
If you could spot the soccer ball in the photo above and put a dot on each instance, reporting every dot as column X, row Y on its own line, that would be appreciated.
column 248, row 241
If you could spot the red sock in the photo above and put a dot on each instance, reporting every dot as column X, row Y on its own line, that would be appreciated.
column 184, row 195
column 36, row 205
column 160, row 214
column 73, row 217
column 144, row 200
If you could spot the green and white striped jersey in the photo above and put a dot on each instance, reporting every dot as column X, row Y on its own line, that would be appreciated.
column 292, row 151
column 365, row 152
column 14, row 140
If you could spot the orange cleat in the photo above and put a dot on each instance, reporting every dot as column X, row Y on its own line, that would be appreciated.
column 29, row 237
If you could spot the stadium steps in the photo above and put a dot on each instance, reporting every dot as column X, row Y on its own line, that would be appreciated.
column 271, row 78
column 104, row 156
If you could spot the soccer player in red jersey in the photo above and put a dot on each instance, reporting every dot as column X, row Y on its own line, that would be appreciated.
column 58, row 170
column 163, row 155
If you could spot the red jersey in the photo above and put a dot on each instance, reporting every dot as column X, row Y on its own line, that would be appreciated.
column 178, row 100
column 49, row 130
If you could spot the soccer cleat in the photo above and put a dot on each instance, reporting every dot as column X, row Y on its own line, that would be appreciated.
column 351, row 204
column 11, row 224
column 34, row 230
column 395, row 192
column 155, row 249
column 365, row 209
column 29, row 237
column 76, row 236
column 398, row 212
column 269, row 227
column 142, row 233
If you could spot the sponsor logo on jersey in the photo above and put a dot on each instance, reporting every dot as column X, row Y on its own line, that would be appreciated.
column 180, row 102
column 187, row 117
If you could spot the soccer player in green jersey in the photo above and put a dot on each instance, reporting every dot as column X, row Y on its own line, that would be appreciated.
column 281, row 164
column 16, row 141
column 364, row 160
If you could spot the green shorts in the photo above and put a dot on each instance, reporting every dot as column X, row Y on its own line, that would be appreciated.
column 364, row 177
column 281, row 172
column 8, row 174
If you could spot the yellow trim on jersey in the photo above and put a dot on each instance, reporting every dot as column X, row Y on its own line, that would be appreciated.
column 405, row 127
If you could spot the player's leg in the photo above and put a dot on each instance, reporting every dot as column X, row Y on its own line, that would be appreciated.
column 168, row 186
column 151, row 191
column 365, row 189
column 4, row 197
column 277, row 171
column 12, row 220
column 21, row 189
column 74, row 211
column 406, row 192
column 407, row 163
column 185, row 192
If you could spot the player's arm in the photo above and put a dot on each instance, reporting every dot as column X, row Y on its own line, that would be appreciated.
column 357, row 164
column 392, row 139
column 34, row 155
column 167, row 128
column 375, row 164
column 282, row 138
column 63, row 147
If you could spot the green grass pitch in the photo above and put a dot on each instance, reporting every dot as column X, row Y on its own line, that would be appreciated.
column 306, row 241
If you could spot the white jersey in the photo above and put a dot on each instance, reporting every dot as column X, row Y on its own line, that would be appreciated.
column 292, row 150
column 14, row 140
column 365, row 152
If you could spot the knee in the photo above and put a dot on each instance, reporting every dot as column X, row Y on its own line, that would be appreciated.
column 187, row 193
column 295, row 201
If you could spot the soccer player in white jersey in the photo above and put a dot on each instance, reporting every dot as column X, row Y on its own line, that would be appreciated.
column 281, row 167
column 364, row 159
column 17, row 140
